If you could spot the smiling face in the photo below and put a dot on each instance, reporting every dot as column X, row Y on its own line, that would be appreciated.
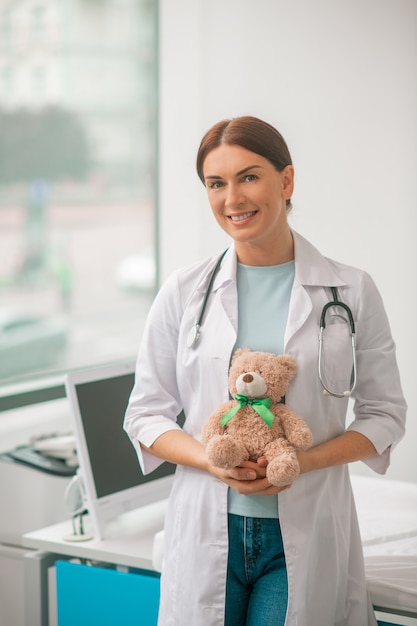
column 248, row 199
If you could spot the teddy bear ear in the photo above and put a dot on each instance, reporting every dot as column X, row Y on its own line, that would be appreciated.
column 288, row 362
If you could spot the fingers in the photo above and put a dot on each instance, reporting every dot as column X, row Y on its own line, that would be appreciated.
column 244, row 473
column 259, row 487
column 251, row 470
column 235, row 474
column 245, row 481
column 248, row 479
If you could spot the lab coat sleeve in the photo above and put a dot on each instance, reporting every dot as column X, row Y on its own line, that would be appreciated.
column 154, row 403
column 379, row 408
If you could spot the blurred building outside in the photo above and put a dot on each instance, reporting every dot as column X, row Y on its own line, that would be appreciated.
column 77, row 168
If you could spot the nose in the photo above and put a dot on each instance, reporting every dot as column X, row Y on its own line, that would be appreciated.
column 234, row 196
column 248, row 378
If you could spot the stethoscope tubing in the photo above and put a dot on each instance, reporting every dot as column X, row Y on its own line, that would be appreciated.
column 337, row 302
column 326, row 390
column 351, row 322
column 194, row 335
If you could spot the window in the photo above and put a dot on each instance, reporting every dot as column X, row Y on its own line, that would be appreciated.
column 77, row 183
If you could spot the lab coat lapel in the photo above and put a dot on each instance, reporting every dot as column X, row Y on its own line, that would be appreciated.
column 226, row 281
column 223, row 313
column 300, row 308
column 311, row 269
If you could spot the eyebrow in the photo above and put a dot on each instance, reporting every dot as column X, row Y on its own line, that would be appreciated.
column 245, row 169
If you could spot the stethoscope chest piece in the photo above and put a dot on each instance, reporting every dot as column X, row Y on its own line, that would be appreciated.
column 193, row 336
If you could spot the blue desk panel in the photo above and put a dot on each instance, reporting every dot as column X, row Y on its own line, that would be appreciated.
column 99, row 596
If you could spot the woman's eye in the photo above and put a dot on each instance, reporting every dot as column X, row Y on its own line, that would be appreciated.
column 250, row 177
column 216, row 184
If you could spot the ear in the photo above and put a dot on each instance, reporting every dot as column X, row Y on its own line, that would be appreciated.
column 287, row 362
column 287, row 178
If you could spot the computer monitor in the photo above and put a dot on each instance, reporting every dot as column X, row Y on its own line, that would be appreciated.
column 112, row 480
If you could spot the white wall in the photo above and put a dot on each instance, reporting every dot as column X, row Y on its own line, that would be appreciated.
column 339, row 80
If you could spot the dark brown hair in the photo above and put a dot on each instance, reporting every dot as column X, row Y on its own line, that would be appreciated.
column 250, row 133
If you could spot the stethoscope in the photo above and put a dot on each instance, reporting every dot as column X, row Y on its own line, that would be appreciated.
column 336, row 303
column 193, row 337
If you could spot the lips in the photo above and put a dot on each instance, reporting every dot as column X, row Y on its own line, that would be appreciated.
column 242, row 216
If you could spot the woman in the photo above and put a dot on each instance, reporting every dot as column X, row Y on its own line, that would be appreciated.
column 239, row 551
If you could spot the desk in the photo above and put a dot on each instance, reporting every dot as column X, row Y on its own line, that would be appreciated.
column 128, row 542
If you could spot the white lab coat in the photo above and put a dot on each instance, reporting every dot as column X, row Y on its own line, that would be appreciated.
column 319, row 526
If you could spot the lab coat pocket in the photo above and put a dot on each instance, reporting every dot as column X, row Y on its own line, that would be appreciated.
column 336, row 356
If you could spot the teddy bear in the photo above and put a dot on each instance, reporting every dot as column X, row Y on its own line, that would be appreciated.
column 256, row 422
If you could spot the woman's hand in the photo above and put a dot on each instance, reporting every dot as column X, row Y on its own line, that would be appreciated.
column 249, row 478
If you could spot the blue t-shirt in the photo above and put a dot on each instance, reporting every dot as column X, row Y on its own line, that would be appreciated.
column 263, row 302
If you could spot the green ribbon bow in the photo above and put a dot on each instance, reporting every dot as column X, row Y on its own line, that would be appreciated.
column 260, row 405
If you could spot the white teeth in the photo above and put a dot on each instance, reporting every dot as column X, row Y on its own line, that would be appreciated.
column 238, row 218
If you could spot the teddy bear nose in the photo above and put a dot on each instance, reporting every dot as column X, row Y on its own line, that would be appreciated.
column 248, row 378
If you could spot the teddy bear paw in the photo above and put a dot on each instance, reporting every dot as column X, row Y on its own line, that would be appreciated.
column 223, row 451
column 303, row 440
column 283, row 470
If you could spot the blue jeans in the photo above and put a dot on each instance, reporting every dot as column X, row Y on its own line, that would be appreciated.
column 256, row 586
